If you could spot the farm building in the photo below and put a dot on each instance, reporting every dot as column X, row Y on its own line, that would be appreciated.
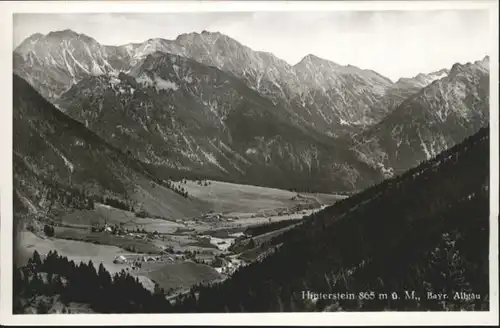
column 147, row 259
column 212, row 216
column 120, row 259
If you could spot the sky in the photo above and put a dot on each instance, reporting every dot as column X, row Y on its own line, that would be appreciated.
column 393, row 43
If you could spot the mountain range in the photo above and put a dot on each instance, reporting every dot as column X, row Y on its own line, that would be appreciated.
column 118, row 125
column 206, row 105
column 330, row 96
column 177, row 113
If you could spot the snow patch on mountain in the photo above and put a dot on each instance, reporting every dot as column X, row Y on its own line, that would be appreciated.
column 68, row 164
column 114, row 81
column 423, row 145
column 156, row 82
column 162, row 84
column 251, row 151
column 144, row 80
column 79, row 143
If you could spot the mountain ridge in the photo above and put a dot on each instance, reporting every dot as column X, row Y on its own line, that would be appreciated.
column 207, row 119
column 323, row 105
column 55, row 155
column 431, row 120
column 317, row 98
column 425, row 231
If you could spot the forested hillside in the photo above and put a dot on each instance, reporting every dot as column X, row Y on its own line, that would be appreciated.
column 425, row 231
column 60, row 164
column 46, row 284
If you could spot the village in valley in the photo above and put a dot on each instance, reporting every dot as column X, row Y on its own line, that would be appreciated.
column 175, row 254
column 224, row 262
column 221, row 259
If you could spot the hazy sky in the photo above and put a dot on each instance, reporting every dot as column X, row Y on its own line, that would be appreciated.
column 393, row 43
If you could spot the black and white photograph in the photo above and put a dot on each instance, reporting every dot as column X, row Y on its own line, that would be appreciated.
column 259, row 159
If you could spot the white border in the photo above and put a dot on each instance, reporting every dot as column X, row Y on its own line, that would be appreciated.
column 379, row 318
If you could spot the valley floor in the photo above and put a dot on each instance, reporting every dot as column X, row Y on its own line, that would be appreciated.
column 176, row 254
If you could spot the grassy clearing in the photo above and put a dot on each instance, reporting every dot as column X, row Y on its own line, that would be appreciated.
column 106, row 214
column 99, row 215
column 78, row 251
column 151, row 225
column 230, row 197
column 102, row 238
column 161, row 201
column 247, row 221
column 327, row 199
column 74, row 250
column 224, row 232
column 179, row 275
column 186, row 242
column 203, row 243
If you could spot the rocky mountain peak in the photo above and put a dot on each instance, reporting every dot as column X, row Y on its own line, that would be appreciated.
column 69, row 34
column 152, row 41
column 423, row 79
column 27, row 45
column 35, row 37
column 310, row 57
column 313, row 60
column 434, row 118
column 62, row 33
column 469, row 68
column 39, row 42
column 58, row 60
column 204, row 35
column 216, row 33
column 457, row 67
column 485, row 62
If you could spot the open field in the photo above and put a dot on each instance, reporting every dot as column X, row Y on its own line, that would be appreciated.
column 228, row 209
column 248, row 220
column 107, row 214
column 152, row 225
column 182, row 243
column 99, row 215
column 177, row 276
column 240, row 206
column 78, row 251
column 233, row 198
column 74, row 250
column 103, row 238
column 161, row 201
column 222, row 229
